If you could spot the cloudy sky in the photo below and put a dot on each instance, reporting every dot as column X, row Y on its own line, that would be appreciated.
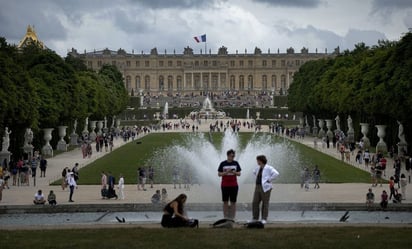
column 140, row 25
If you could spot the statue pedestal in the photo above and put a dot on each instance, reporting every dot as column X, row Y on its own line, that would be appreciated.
column 73, row 139
column 28, row 149
column 315, row 131
column 350, row 137
column 402, row 149
column 5, row 155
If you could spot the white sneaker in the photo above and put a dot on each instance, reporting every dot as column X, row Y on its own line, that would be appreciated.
column 263, row 221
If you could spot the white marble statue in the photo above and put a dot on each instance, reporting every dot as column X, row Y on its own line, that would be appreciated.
column 105, row 122
column 86, row 124
column 74, row 126
column 401, row 133
column 350, row 124
column 337, row 119
column 314, row 120
column 114, row 118
column 6, row 139
column 28, row 137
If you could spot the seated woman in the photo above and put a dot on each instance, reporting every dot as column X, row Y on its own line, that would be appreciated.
column 173, row 215
column 39, row 198
column 51, row 198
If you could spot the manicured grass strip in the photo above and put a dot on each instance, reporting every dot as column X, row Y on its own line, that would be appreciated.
column 158, row 238
column 332, row 169
column 127, row 159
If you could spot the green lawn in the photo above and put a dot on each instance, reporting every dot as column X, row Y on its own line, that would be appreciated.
column 153, row 238
column 129, row 157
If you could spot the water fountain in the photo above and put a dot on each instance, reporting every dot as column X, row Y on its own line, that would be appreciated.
column 166, row 111
column 207, row 111
column 202, row 158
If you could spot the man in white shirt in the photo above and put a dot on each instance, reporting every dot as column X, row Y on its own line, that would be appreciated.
column 265, row 174
column 72, row 184
column 39, row 198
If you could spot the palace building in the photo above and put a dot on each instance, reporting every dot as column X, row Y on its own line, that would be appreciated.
column 185, row 73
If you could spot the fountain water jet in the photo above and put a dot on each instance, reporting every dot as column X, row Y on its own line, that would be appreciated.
column 202, row 158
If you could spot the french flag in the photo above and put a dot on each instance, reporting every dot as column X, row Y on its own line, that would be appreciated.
column 201, row 38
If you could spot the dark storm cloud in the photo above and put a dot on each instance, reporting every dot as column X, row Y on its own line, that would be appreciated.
column 165, row 4
column 391, row 4
column 14, row 19
column 331, row 40
column 292, row 3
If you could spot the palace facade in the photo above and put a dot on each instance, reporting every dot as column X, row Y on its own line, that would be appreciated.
column 185, row 73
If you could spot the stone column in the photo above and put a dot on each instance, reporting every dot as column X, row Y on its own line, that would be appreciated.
column 47, row 149
column 62, row 145
column 381, row 145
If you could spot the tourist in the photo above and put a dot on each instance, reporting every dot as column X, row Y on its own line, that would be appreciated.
column 265, row 174
column 392, row 187
column 51, row 198
column 366, row 157
column 1, row 187
column 142, row 178
column 103, row 181
column 75, row 171
column 6, row 177
column 151, row 176
column 33, row 166
column 64, row 177
column 305, row 178
column 164, row 195
column 111, row 182
column 121, row 187
column 43, row 166
column 316, row 176
column 229, row 170
column 156, row 197
column 403, row 183
column 384, row 200
column 39, row 198
column 72, row 184
column 173, row 213
column 176, row 177
column 370, row 199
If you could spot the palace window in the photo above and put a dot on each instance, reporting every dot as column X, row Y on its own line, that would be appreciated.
column 137, row 82
column 127, row 63
column 160, row 63
column 137, row 63
column 196, row 63
column 170, row 63
column 232, row 82
column 282, row 63
column 232, row 63
column 147, row 63
column 297, row 62
column 147, row 82
column 264, row 63
column 214, row 63
column 240, row 63
column 250, row 63
column 273, row 63
column 264, row 82
column 205, row 63
column 179, row 63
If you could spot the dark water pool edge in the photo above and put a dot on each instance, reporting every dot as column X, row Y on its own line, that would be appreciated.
column 139, row 207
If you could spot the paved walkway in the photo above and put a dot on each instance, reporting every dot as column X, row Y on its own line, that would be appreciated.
column 282, row 193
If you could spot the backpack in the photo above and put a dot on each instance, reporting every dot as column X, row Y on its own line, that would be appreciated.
column 223, row 223
column 255, row 224
column 194, row 223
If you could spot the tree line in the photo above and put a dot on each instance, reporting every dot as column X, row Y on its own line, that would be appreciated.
column 372, row 84
column 39, row 89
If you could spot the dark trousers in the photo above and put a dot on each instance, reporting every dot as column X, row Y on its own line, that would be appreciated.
column 71, row 193
column 169, row 221
column 258, row 197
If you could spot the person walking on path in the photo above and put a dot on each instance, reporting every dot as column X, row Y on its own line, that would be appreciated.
column 403, row 183
column 370, row 199
column 121, row 187
column 72, row 184
column 229, row 170
column 265, row 174
column 316, row 176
